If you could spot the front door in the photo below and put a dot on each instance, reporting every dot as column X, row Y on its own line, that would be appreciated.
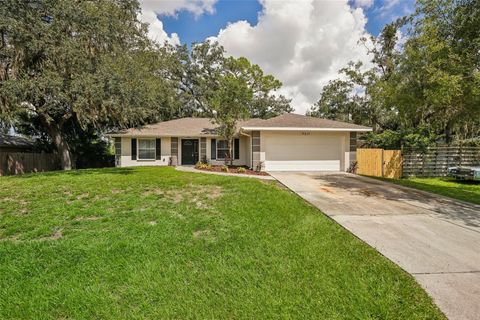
column 189, row 151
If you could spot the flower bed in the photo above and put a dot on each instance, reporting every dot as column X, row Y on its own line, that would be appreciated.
column 230, row 169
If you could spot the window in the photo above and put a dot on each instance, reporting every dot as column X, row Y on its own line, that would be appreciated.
column 146, row 149
column 222, row 149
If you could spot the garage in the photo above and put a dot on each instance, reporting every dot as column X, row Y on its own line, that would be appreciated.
column 303, row 151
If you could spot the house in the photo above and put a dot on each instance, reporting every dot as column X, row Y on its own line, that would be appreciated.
column 289, row 142
column 11, row 143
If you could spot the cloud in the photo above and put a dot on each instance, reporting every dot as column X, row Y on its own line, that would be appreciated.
column 394, row 9
column 151, row 9
column 363, row 3
column 303, row 43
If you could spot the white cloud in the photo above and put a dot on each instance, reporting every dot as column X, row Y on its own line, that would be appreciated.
column 363, row 3
column 152, row 8
column 388, row 9
column 303, row 43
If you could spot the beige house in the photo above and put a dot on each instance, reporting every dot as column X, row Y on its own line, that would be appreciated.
column 289, row 142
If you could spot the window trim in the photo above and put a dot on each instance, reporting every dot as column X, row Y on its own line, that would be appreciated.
column 227, row 149
column 154, row 149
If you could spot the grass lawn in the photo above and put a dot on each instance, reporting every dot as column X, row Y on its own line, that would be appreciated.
column 463, row 190
column 157, row 243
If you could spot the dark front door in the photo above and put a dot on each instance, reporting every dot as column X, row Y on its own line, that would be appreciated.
column 189, row 151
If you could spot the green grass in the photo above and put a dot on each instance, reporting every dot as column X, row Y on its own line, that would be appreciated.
column 155, row 243
column 462, row 190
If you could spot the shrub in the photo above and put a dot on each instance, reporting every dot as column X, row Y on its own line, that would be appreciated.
column 202, row 165
column 225, row 169
column 241, row 170
column 411, row 139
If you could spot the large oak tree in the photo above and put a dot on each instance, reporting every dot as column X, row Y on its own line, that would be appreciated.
column 67, row 64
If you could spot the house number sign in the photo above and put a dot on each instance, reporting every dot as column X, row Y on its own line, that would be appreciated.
column 304, row 133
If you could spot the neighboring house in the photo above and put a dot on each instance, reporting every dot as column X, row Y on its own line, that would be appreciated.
column 9, row 143
column 289, row 142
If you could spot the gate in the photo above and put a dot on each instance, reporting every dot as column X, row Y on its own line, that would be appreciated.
column 379, row 163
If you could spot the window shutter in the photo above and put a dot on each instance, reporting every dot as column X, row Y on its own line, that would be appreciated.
column 236, row 148
column 158, row 149
column 213, row 154
column 134, row 149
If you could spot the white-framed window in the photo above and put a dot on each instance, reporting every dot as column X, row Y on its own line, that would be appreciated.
column 222, row 149
column 146, row 149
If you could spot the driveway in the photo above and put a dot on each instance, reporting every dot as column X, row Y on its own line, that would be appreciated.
column 434, row 238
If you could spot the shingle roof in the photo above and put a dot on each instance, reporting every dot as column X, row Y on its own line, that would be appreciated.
column 184, row 127
column 192, row 127
column 15, row 141
column 291, row 120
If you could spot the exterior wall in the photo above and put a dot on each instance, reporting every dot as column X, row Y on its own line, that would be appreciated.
column 254, row 150
column 244, row 152
column 126, row 154
column 336, row 146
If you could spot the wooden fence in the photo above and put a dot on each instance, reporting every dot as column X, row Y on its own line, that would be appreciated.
column 435, row 161
column 379, row 163
column 12, row 163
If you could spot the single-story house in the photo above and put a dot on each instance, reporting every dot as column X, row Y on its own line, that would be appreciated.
column 289, row 142
column 15, row 143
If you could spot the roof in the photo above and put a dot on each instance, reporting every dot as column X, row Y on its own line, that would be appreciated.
column 184, row 127
column 298, row 122
column 15, row 141
column 193, row 127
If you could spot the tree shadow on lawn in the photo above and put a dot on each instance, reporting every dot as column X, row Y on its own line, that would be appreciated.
column 467, row 213
column 464, row 182
column 79, row 172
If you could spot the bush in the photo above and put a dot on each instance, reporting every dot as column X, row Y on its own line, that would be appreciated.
column 473, row 142
column 202, row 165
column 241, row 170
column 93, row 154
column 416, row 139
column 225, row 169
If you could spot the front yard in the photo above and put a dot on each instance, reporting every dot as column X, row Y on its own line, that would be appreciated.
column 462, row 190
column 158, row 243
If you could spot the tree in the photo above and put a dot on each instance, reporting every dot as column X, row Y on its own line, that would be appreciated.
column 421, row 92
column 230, row 104
column 336, row 102
column 200, row 71
column 69, row 65
column 438, row 76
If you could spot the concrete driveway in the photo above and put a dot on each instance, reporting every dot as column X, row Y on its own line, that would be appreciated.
column 434, row 238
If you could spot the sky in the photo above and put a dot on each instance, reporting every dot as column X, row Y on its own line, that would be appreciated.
column 303, row 43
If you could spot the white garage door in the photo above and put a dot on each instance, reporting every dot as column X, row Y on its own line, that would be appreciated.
column 297, row 152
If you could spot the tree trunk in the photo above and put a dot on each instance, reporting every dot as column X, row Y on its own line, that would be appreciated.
column 64, row 153
column 448, row 132
column 61, row 144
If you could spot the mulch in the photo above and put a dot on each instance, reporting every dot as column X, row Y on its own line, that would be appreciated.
column 234, row 169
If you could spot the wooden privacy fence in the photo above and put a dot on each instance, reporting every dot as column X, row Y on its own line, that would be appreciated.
column 12, row 163
column 379, row 163
column 436, row 160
